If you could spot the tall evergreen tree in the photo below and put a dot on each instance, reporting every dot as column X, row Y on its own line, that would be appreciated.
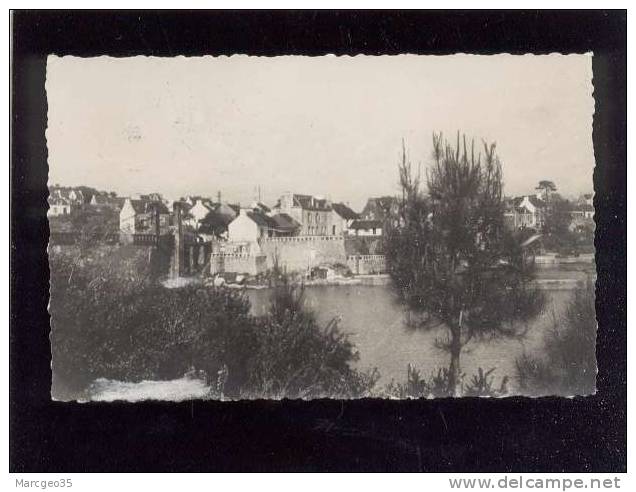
column 546, row 187
column 449, row 256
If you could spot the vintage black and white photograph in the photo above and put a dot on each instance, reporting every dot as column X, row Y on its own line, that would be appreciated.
column 394, row 227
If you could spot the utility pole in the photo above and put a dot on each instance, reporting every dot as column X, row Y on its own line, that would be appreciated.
column 157, row 224
column 179, row 251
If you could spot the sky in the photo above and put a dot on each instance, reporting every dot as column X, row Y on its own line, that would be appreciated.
column 328, row 126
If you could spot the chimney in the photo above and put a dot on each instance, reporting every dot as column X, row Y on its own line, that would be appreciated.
column 218, row 196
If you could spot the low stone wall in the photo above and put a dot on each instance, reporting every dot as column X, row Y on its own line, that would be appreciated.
column 237, row 263
column 69, row 238
column 301, row 253
column 366, row 264
column 138, row 239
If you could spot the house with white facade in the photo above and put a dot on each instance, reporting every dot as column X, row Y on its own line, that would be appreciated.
column 74, row 196
column 139, row 217
column 106, row 200
column 200, row 209
column 58, row 206
column 525, row 212
column 249, row 226
column 252, row 226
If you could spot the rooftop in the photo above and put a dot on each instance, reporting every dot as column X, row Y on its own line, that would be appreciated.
column 141, row 206
column 344, row 211
column 366, row 224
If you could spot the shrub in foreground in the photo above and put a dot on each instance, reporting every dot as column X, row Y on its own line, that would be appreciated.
column 568, row 366
column 131, row 329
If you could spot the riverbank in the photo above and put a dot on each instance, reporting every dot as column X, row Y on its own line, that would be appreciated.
column 546, row 280
column 372, row 279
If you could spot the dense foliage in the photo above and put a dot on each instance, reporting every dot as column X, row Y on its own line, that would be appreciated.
column 111, row 320
column 558, row 235
column 295, row 358
column 568, row 365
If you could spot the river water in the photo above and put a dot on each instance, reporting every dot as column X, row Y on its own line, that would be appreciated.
column 375, row 323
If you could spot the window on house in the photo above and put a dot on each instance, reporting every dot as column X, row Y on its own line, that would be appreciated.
column 333, row 230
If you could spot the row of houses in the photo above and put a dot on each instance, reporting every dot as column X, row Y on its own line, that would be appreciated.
column 235, row 236
column 306, row 215
column 293, row 214
column 530, row 211
column 63, row 201
column 313, row 223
